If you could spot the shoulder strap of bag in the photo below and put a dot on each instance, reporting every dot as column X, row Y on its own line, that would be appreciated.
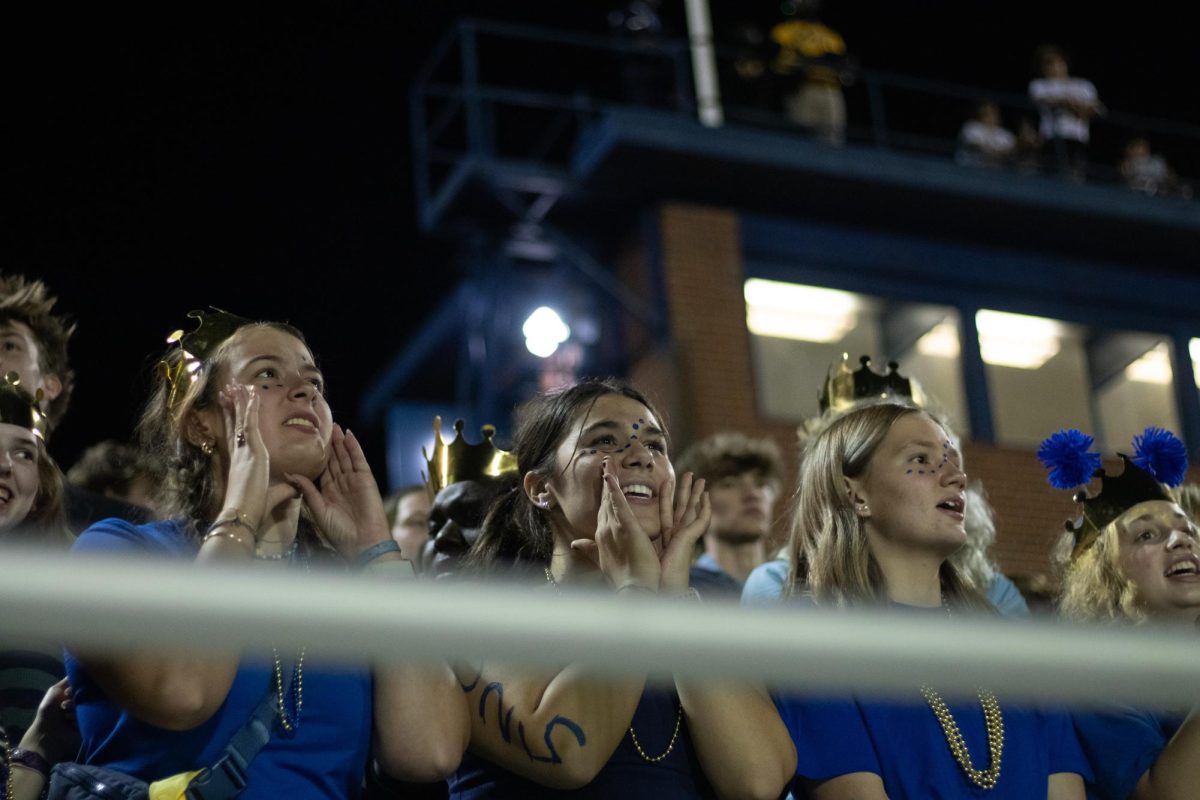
column 226, row 779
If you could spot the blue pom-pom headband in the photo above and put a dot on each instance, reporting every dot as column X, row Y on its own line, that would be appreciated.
column 1160, row 458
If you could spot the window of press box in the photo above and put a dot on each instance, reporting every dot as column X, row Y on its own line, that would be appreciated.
column 799, row 333
column 1037, row 375
column 1194, row 350
column 1134, row 387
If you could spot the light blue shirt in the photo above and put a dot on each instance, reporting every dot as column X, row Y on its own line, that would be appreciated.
column 764, row 587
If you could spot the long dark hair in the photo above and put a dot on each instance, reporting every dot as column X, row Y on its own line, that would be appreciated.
column 515, row 530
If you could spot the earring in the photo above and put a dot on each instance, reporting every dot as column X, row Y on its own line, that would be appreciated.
column 206, row 447
column 545, row 504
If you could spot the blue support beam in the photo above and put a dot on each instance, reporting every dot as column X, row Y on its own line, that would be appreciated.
column 1187, row 399
column 975, row 380
column 445, row 321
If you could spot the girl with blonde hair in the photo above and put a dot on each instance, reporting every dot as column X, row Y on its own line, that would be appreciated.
column 1133, row 557
column 880, row 510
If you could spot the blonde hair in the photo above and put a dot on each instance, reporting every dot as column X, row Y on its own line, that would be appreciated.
column 828, row 548
column 1094, row 586
column 1187, row 497
column 972, row 558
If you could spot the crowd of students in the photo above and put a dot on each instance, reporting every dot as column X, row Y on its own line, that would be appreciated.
column 255, row 471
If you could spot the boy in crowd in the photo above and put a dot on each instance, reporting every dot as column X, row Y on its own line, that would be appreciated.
column 33, row 344
column 744, row 476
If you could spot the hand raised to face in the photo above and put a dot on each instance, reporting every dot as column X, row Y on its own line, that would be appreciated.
column 686, row 523
column 347, row 509
column 621, row 549
column 247, row 487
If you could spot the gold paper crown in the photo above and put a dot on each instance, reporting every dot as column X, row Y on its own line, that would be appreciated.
column 19, row 407
column 843, row 388
column 459, row 461
column 215, row 326
column 1118, row 494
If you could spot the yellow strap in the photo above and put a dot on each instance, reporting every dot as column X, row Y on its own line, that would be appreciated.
column 172, row 788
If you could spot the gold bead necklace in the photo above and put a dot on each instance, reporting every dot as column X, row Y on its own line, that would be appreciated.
column 632, row 733
column 8, row 776
column 670, row 745
column 993, row 722
column 296, row 691
column 984, row 779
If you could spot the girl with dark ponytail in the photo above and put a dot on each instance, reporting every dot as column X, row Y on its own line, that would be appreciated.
column 597, row 508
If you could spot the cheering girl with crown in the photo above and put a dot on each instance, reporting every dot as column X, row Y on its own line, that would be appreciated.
column 597, row 510
column 880, row 510
column 1133, row 556
column 258, row 475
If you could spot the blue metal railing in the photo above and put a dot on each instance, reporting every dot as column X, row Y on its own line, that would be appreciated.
column 482, row 76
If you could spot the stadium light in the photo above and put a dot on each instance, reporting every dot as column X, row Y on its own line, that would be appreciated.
column 804, row 313
column 1017, row 340
column 1194, row 349
column 941, row 340
column 544, row 332
column 1153, row 367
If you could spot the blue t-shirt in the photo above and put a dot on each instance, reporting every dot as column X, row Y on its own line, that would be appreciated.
column 711, row 582
column 1121, row 744
column 324, row 758
column 764, row 588
column 626, row 775
column 1006, row 597
column 903, row 742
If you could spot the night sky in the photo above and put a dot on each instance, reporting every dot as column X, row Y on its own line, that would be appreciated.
column 257, row 158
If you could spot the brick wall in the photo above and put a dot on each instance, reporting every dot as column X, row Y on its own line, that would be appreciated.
column 704, row 382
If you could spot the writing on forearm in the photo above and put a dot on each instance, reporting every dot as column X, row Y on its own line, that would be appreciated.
column 504, row 720
column 553, row 758
column 469, row 686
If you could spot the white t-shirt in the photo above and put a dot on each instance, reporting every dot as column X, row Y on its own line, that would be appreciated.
column 1147, row 174
column 1062, row 123
column 991, row 140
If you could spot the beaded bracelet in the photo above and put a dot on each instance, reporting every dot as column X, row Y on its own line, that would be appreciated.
column 286, row 555
column 688, row 595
